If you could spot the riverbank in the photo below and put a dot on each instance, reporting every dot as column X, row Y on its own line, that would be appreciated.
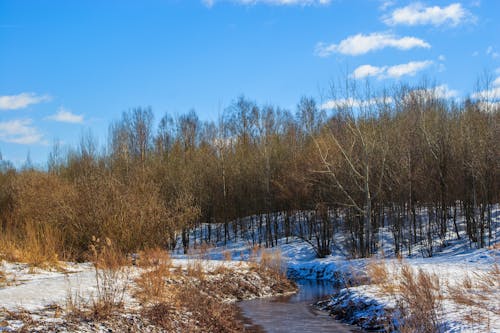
column 462, row 280
column 163, row 295
column 456, row 290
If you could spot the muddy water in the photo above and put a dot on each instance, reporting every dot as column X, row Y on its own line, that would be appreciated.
column 293, row 313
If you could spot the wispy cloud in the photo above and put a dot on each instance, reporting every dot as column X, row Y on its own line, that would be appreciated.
column 20, row 131
column 64, row 115
column 14, row 102
column 386, row 4
column 411, row 68
column 492, row 52
column 362, row 44
column 210, row 3
column 417, row 14
column 369, row 70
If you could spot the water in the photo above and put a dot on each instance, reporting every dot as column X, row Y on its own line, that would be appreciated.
column 293, row 313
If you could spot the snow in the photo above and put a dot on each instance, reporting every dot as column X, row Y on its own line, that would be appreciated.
column 35, row 289
column 452, row 263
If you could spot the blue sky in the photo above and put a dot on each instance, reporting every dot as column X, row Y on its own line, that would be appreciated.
column 67, row 67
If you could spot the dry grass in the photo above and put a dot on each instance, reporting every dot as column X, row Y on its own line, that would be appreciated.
column 205, row 313
column 3, row 278
column 478, row 293
column 196, row 300
column 204, row 249
column 111, row 276
column 195, row 269
column 272, row 262
column 418, row 295
column 151, row 286
column 380, row 275
column 254, row 253
column 420, row 301
column 154, row 257
column 227, row 255
column 36, row 244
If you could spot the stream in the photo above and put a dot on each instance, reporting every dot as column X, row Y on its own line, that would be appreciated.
column 292, row 313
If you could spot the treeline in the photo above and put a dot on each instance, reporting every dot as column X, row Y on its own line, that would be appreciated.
column 423, row 166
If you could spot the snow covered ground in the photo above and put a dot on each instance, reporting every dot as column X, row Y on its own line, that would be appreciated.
column 38, row 290
column 453, row 264
column 35, row 289
column 43, row 299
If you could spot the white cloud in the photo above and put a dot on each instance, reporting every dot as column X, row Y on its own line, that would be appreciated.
column 442, row 57
column 66, row 116
column 210, row 3
column 344, row 103
column 410, row 68
column 368, row 70
column 361, row 44
column 475, row 54
column 395, row 71
column 497, row 82
column 20, row 131
column 417, row 14
column 14, row 102
column 443, row 91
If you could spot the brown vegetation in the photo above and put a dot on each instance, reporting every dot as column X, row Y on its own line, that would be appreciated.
column 412, row 162
column 420, row 301
column 197, row 299
column 418, row 295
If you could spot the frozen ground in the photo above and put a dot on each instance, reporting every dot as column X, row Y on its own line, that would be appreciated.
column 38, row 290
column 41, row 298
column 458, row 261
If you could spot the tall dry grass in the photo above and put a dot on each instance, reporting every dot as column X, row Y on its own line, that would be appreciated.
column 151, row 285
column 272, row 262
column 420, row 301
column 418, row 295
column 38, row 245
column 3, row 278
column 112, row 277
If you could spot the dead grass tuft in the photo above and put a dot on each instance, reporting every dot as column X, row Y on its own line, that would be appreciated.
column 36, row 244
column 420, row 300
column 154, row 257
column 3, row 278
column 195, row 269
column 227, row 255
column 151, row 287
column 379, row 274
column 272, row 262
column 111, row 276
